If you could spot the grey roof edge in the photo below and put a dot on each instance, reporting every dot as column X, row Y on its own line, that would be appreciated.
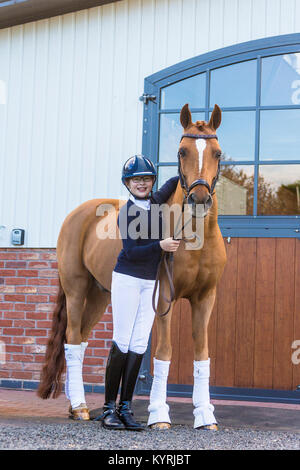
column 16, row 12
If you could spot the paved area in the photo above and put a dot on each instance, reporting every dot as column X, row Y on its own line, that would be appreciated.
column 27, row 422
column 276, row 416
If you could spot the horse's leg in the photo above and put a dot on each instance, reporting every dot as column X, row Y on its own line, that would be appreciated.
column 159, row 409
column 96, row 303
column 203, row 409
column 76, row 294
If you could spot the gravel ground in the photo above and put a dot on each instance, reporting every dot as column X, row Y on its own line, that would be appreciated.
column 63, row 435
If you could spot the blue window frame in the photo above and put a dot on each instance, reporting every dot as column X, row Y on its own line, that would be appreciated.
column 257, row 86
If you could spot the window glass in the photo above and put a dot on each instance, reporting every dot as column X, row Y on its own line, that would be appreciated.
column 190, row 90
column 279, row 190
column 280, row 80
column 235, row 190
column 170, row 135
column 234, row 85
column 280, row 134
column 278, row 137
column 236, row 135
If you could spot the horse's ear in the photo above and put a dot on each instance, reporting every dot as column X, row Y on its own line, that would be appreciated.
column 185, row 116
column 216, row 117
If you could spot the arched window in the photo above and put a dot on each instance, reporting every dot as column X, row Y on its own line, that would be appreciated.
column 257, row 86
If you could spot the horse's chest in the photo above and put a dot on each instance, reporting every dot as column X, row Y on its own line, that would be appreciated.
column 197, row 271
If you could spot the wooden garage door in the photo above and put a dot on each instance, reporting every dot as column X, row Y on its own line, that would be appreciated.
column 255, row 320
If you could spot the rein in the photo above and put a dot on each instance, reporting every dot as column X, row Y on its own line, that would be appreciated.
column 168, row 257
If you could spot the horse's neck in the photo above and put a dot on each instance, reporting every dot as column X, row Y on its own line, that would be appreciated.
column 212, row 218
column 177, row 197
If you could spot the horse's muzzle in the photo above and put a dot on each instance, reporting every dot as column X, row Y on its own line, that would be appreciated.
column 199, row 208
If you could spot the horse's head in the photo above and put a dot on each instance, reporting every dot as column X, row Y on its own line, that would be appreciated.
column 199, row 158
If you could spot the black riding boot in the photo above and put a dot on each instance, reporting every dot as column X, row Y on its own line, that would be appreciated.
column 114, row 369
column 130, row 373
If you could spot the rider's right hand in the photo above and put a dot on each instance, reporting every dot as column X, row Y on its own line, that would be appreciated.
column 168, row 244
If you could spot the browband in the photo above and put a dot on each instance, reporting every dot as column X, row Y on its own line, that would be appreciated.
column 203, row 136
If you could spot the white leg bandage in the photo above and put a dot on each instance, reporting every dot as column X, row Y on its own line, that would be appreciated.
column 74, row 382
column 203, row 411
column 158, row 408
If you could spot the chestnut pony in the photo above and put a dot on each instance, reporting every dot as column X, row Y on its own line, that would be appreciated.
column 86, row 261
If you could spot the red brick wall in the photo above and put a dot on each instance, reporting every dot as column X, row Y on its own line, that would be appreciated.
column 28, row 288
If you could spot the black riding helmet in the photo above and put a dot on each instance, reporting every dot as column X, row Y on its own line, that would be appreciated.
column 138, row 165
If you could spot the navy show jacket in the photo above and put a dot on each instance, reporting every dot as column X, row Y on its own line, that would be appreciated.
column 140, row 256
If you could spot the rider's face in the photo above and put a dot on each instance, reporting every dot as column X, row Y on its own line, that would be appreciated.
column 140, row 185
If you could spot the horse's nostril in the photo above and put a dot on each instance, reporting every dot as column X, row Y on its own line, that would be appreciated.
column 207, row 199
column 192, row 199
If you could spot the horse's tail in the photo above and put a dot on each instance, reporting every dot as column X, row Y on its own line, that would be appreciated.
column 50, row 381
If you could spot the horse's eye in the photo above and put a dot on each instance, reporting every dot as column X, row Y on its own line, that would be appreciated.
column 218, row 154
column 181, row 152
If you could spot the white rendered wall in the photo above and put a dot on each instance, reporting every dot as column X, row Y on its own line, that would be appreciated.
column 69, row 87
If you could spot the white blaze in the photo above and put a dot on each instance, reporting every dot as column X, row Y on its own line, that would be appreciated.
column 201, row 144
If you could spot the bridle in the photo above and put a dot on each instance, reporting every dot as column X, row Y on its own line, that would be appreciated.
column 168, row 257
column 200, row 181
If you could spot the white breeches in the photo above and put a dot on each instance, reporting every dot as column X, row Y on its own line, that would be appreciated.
column 74, row 389
column 203, row 409
column 132, row 311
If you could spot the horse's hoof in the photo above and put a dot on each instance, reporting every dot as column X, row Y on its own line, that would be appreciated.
column 81, row 413
column 209, row 427
column 160, row 426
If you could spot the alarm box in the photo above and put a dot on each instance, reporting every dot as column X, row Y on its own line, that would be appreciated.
column 17, row 236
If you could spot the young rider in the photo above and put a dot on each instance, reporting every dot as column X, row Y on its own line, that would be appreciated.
column 132, row 287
